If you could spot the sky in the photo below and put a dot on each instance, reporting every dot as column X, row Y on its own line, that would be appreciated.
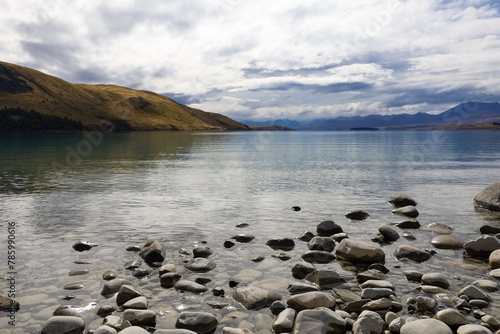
column 264, row 60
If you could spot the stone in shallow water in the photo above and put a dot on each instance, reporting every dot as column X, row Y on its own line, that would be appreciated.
column 64, row 325
column 413, row 275
column 452, row 317
column 320, row 320
column 317, row 256
column 285, row 244
column 153, row 251
column 328, row 228
column 108, row 275
column 494, row 259
column 358, row 214
column 73, row 286
column 489, row 229
column 185, row 285
column 473, row 329
column 489, row 197
column 283, row 323
column 410, row 223
column 301, row 269
column 126, row 293
column 436, row 279
column 377, row 284
column 408, row 211
column 360, row 252
column 325, row 279
column 139, row 317
column 298, row 288
column 243, row 238
column 425, row 326
column 131, row 265
column 168, row 280
column 135, row 330
column 200, row 264
column 81, row 246
column 104, row 329
column 411, row 253
column 138, row 303
column 311, row 300
column 447, row 241
column 473, row 293
column 368, row 322
column 482, row 246
column 437, row 228
column 326, row 244
column 388, row 232
column 399, row 200
column 78, row 272
column 252, row 297
column 306, row 236
column 199, row 322
column 202, row 251
column 486, row 285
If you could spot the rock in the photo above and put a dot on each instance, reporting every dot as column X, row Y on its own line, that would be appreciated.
column 73, row 286
column 104, row 329
column 489, row 198
column 413, row 275
column 325, row 279
column 138, row 303
column 126, row 293
column 108, row 275
column 301, row 269
column 377, row 305
column 437, row 228
column 486, row 285
column 297, row 288
column 377, row 284
column 78, row 272
column 355, row 306
column 408, row 236
column 243, row 238
column 400, row 200
column 396, row 324
column 135, row 330
column 473, row 293
column 105, row 310
column 411, row 253
column 66, row 310
column 199, row 322
column 447, row 241
column 493, row 322
column 489, row 229
column 494, row 259
column 63, row 325
column 113, row 286
column 408, row 211
column 436, row 279
column 482, row 246
column 7, row 304
column 338, row 237
column 81, row 246
column 285, row 244
column 139, row 317
column 131, row 265
column 320, row 320
column 346, row 296
column 360, row 252
column 296, row 208
column 277, row 307
column 452, row 317
column 252, row 297
column 495, row 273
column 421, row 304
column 200, row 264
column 478, row 303
column 317, row 256
column 142, row 272
column 153, row 251
column 473, row 329
column 425, row 326
column 326, row 244
column 368, row 322
column 306, row 236
column 228, row 244
column 283, row 323
column 388, row 232
column 376, row 293
column 328, row 228
column 168, row 280
column 169, row 268
column 185, row 285
column 379, row 266
column 410, row 223
column 357, row 215
column 311, row 300
column 231, row 330
column 201, row 251
column 432, row 289
column 370, row 274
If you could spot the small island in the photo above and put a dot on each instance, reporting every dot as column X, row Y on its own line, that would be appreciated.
column 363, row 128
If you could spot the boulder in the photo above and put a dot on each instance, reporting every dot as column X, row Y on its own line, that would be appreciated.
column 408, row 211
column 482, row 246
column 425, row 326
column 411, row 253
column 64, row 325
column 252, row 297
column 400, row 200
column 369, row 322
column 199, row 322
column 326, row 244
column 360, row 252
column 153, row 251
column 489, row 198
column 311, row 300
column 319, row 321
column 358, row 214
column 328, row 228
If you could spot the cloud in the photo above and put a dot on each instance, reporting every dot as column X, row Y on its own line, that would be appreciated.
column 287, row 58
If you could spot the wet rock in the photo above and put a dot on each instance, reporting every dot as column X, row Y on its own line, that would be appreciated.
column 66, row 310
column 358, row 214
column 73, row 286
column 185, row 285
column 360, row 252
column 495, row 273
column 482, row 246
column 108, row 275
column 317, row 256
column 379, row 266
column 113, row 286
column 413, row 275
column 473, row 329
column 370, row 274
column 355, row 306
column 168, row 280
column 346, row 296
column 489, row 198
column 231, row 330
column 284, row 321
column 320, row 320
column 201, row 252
column 377, row 284
column 257, row 258
column 376, row 293
column 252, row 297
column 297, row 288
column 200, row 264
column 169, row 268
column 396, row 324
column 126, row 293
column 79, row 272
column 328, row 228
column 486, row 285
column 104, row 329
column 408, row 236
column 338, row 237
column 202, row 280
column 81, row 246
column 411, row 253
column 277, row 307
column 368, row 322
column 437, row 228
column 105, row 310
column 447, row 241
column 325, row 279
column 243, row 238
column 377, row 305
column 493, row 322
column 296, row 208
column 301, row 269
column 282, row 256
column 401, row 200
column 63, row 325
column 138, row 303
column 388, row 232
column 141, row 272
column 494, row 259
column 473, row 293
column 228, row 244
column 134, row 330
column 425, row 326
column 408, row 211
column 131, row 265
column 326, row 244
column 153, row 251
column 306, row 236
column 432, row 289
column 478, row 303
column 410, row 223
column 285, row 244
column 489, row 229
column 199, row 322
column 311, row 300
column 452, row 318
column 436, row 279
column 140, row 317
column 422, row 304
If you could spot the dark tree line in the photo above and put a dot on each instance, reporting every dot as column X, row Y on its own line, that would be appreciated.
column 17, row 119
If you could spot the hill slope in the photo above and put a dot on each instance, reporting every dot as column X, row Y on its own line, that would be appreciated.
column 106, row 107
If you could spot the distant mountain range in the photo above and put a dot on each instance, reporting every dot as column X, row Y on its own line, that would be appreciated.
column 31, row 100
column 280, row 122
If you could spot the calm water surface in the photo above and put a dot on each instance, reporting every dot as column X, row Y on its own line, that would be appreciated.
column 123, row 189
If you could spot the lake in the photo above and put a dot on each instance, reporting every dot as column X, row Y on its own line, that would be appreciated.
column 188, row 189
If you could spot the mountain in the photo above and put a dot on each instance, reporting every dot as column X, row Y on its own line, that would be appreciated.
column 100, row 107
column 464, row 115
column 279, row 122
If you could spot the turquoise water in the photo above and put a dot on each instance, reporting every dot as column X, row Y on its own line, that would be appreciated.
column 123, row 189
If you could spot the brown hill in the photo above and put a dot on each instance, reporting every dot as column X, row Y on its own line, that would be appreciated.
column 107, row 107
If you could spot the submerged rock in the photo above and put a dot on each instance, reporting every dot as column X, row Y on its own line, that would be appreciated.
column 358, row 214
column 252, row 297
column 63, row 325
column 411, row 253
column 360, row 252
column 489, row 198
column 325, row 279
column 319, row 320
column 153, row 251
column 447, row 241
column 285, row 244
column 326, row 244
column 200, row 264
column 311, row 300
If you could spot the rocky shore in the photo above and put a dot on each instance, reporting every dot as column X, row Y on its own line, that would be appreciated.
column 337, row 285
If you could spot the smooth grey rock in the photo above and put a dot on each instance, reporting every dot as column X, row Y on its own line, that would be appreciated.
column 252, row 297
column 325, row 279
column 297, row 288
column 277, row 307
column 370, row 274
column 131, row 265
column 126, row 293
column 173, row 331
column 447, row 241
column 493, row 322
column 436, row 279
column 409, row 223
column 139, row 317
column 354, row 306
column 285, row 244
column 473, row 329
column 81, row 246
column 63, row 325
column 200, row 264
column 108, row 275
column 134, row 330
column 400, row 200
column 388, row 232
column 377, row 305
column 438, row 228
column 376, row 293
column 104, row 329
column 186, row 285
column 473, row 293
column 169, row 268
column 377, row 284
column 301, row 269
column 396, row 324
column 357, row 214
column 138, row 303
column 421, row 326
column 317, row 256
column 243, row 238
column 106, row 310
column 482, row 246
column 311, row 300
column 486, row 285
column 319, row 321
column 113, row 286
column 283, row 323
column 142, row 272
column 326, row 244
column 201, row 251
column 199, row 322
column 408, row 211
column 489, row 197
column 306, row 236
column 338, row 237
column 452, row 317
column 489, row 229
column 411, row 253
column 360, row 252
column 494, row 259
column 168, row 280
column 153, row 251
column 328, row 228
column 368, row 322
column 413, row 275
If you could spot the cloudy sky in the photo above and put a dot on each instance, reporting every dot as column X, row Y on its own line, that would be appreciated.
column 265, row 59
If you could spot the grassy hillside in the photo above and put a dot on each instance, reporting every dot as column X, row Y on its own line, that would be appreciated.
column 107, row 107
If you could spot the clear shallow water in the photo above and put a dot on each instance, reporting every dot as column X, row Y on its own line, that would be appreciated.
column 184, row 188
